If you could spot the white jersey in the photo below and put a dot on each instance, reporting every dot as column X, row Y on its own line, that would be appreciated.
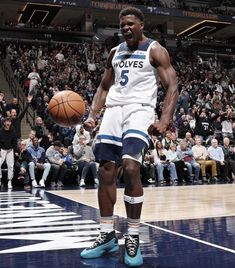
column 135, row 77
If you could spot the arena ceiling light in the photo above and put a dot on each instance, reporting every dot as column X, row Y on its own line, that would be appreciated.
column 203, row 28
column 38, row 13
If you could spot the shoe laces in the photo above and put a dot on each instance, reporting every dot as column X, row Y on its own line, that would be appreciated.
column 99, row 240
column 131, row 243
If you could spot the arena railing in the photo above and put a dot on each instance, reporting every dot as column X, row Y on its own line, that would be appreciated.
column 17, row 91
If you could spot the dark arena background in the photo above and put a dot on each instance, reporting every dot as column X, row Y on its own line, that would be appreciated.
column 186, row 223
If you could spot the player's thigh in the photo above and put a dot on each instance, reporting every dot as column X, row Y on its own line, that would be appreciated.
column 136, row 120
column 111, row 125
column 108, row 145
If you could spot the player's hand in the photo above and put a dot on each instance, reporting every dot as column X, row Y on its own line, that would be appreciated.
column 157, row 128
column 89, row 124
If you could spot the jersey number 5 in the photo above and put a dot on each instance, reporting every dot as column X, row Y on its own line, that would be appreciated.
column 124, row 76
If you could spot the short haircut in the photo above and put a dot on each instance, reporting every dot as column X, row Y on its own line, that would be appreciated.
column 57, row 143
column 23, row 142
column 7, row 119
column 132, row 11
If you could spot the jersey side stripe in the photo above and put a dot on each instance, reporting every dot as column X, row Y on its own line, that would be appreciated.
column 109, row 137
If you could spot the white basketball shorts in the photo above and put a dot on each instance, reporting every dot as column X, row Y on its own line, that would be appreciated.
column 123, row 131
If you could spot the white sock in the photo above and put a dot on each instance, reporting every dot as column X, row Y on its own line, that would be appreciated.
column 133, row 226
column 106, row 224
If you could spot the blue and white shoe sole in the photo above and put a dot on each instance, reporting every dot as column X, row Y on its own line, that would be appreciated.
column 97, row 252
column 133, row 261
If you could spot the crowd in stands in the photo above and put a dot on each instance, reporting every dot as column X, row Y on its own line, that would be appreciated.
column 227, row 9
column 199, row 146
column 78, row 67
column 223, row 9
column 59, row 28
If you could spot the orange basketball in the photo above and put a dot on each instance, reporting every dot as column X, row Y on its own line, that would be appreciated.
column 66, row 108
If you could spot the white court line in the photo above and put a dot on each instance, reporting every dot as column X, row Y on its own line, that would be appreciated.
column 190, row 237
column 159, row 228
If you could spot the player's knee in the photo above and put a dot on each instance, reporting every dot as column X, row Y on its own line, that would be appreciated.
column 130, row 168
column 108, row 166
column 107, row 173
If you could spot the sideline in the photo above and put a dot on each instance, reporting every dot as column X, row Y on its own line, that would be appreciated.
column 160, row 228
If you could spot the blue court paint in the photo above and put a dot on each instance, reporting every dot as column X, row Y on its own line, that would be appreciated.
column 53, row 233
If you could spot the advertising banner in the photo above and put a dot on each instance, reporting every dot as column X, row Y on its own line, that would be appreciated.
column 78, row 3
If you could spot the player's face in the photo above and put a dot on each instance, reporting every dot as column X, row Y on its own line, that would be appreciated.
column 131, row 28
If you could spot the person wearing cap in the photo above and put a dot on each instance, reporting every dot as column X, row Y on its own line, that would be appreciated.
column 58, row 166
column 8, row 145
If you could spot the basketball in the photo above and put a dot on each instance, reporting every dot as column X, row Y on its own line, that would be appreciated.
column 66, row 108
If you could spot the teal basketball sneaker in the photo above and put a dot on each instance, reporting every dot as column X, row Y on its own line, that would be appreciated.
column 105, row 243
column 132, row 255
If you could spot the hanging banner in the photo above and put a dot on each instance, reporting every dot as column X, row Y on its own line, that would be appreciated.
column 108, row 5
column 78, row 3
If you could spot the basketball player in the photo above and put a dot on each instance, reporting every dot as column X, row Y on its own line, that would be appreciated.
column 129, row 91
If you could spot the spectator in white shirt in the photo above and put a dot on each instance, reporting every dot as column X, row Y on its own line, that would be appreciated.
column 80, row 131
column 216, row 153
column 59, row 56
column 201, row 156
column 34, row 78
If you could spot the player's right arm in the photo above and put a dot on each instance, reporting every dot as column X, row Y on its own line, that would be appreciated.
column 101, row 93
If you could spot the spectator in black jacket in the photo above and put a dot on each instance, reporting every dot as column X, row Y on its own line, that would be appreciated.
column 13, row 105
column 184, row 128
column 21, row 164
column 229, row 156
column 2, row 106
column 16, row 119
column 8, row 144
column 204, row 125
column 41, row 133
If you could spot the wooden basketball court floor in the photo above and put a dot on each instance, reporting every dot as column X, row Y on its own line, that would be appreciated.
column 182, row 227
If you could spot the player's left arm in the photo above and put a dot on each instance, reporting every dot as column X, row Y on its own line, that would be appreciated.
column 161, row 60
